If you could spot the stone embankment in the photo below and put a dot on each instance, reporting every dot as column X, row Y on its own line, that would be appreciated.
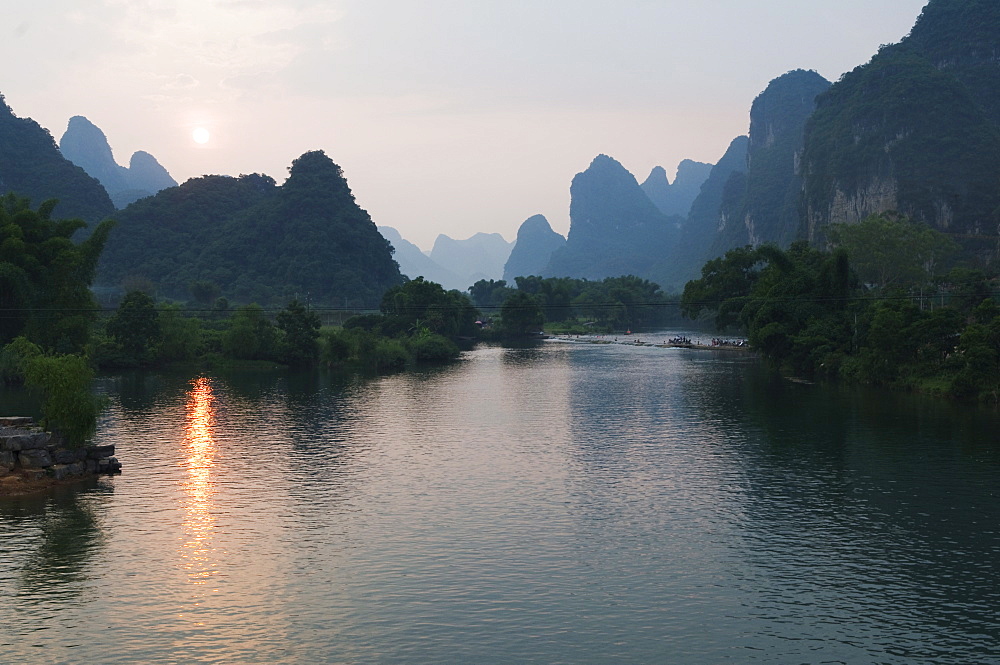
column 32, row 455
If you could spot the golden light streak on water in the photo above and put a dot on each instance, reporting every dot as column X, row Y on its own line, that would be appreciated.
column 197, row 549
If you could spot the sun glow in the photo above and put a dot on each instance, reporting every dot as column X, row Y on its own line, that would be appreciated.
column 200, row 135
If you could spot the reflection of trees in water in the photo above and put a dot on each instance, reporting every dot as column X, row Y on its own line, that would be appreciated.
column 69, row 537
column 136, row 390
column 522, row 354
column 882, row 501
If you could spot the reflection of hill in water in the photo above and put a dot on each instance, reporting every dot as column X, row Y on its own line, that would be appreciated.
column 61, row 528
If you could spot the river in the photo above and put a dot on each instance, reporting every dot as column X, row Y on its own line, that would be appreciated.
column 569, row 503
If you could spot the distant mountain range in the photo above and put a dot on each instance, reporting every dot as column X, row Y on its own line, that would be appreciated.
column 454, row 264
column 915, row 130
column 32, row 166
column 414, row 263
column 85, row 145
column 676, row 198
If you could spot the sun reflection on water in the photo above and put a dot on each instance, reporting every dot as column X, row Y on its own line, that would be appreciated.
column 199, row 521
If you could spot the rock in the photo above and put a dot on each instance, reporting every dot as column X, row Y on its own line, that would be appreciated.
column 97, row 452
column 109, row 465
column 34, row 459
column 36, row 440
column 25, row 441
column 6, row 460
column 16, row 421
column 535, row 244
column 68, row 455
column 61, row 471
column 614, row 228
column 12, row 442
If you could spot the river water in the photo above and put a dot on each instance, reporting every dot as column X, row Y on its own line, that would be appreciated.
column 570, row 503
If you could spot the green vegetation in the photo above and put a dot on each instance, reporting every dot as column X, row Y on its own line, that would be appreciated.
column 251, row 241
column 419, row 304
column 520, row 315
column 609, row 304
column 32, row 166
column 69, row 408
column 44, row 276
column 917, row 128
column 913, row 326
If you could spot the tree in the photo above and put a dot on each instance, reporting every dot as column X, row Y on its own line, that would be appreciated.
column 135, row 327
column 889, row 250
column 251, row 336
column 724, row 287
column 182, row 335
column 419, row 303
column 521, row 315
column 69, row 408
column 299, row 343
column 489, row 293
column 45, row 277
column 204, row 291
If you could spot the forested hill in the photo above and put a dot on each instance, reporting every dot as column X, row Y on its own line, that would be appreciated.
column 916, row 130
column 249, row 240
column 32, row 166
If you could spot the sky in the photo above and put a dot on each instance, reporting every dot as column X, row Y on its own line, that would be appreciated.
column 447, row 116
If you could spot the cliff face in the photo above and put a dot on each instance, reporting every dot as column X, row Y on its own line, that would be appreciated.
column 915, row 130
column 32, row 166
column 676, row 198
column 684, row 260
column 766, row 208
column 535, row 244
column 85, row 145
column 614, row 228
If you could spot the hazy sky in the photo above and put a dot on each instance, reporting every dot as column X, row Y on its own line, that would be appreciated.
column 447, row 116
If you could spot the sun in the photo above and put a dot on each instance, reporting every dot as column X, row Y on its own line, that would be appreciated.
column 200, row 135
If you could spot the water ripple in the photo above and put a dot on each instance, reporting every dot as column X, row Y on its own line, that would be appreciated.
column 565, row 504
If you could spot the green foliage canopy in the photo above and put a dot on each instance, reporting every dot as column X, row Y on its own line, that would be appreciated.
column 887, row 250
column 45, row 276
column 419, row 303
column 135, row 326
column 69, row 407
column 299, row 343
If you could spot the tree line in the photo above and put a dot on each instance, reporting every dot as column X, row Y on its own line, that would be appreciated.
column 886, row 304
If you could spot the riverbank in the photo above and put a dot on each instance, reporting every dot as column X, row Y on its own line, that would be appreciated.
column 645, row 340
column 33, row 460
